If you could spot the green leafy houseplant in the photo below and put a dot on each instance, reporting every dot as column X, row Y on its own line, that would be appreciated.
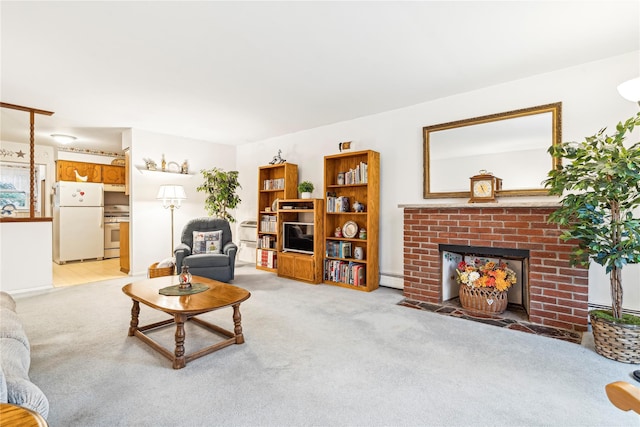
column 220, row 187
column 601, row 187
column 305, row 187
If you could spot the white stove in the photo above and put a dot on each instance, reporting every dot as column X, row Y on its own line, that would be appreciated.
column 113, row 216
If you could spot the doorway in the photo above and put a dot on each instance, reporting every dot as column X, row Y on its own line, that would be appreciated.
column 81, row 272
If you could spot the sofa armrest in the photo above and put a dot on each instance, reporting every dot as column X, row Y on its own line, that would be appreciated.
column 181, row 251
column 230, row 249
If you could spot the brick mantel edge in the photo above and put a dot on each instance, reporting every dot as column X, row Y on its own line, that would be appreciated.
column 558, row 292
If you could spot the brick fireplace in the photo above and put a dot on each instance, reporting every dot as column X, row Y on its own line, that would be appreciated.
column 557, row 293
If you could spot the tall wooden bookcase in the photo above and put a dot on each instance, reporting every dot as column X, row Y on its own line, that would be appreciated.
column 349, row 178
column 274, row 182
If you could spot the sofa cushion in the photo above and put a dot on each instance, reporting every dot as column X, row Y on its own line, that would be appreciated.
column 11, row 327
column 206, row 261
column 207, row 242
column 25, row 393
column 4, row 397
column 6, row 301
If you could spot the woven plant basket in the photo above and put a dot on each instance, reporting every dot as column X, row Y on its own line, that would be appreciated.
column 155, row 271
column 483, row 300
column 616, row 341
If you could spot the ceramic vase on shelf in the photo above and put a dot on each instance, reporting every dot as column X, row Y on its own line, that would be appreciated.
column 483, row 300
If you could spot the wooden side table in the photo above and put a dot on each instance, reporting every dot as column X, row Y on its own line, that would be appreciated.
column 18, row 416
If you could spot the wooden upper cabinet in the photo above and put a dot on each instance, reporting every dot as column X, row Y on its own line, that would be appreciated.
column 113, row 174
column 108, row 174
column 66, row 171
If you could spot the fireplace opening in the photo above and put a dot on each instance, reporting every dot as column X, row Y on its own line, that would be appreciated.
column 516, row 259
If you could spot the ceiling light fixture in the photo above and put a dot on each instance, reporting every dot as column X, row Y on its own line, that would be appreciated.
column 63, row 139
column 630, row 90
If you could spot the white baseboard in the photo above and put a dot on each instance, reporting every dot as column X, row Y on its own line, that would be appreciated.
column 391, row 280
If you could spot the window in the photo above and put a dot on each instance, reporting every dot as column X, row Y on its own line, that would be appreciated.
column 15, row 183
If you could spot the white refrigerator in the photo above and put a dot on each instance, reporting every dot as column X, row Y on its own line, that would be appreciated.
column 78, row 221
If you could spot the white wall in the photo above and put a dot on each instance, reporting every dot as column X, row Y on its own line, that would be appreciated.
column 25, row 254
column 151, row 224
column 589, row 102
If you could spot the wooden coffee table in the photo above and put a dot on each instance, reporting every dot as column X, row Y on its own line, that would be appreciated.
column 185, row 308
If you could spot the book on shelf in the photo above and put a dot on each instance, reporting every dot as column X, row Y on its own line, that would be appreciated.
column 336, row 249
column 266, row 241
column 357, row 175
column 273, row 184
column 345, row 272
column 268, row 223
column 266, row 258
column 337, row 204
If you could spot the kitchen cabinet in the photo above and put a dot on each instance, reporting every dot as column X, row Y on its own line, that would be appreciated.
column 113, row 174
column 66, row 171
column 124, row 247
column 107, row 174
column 127, row 170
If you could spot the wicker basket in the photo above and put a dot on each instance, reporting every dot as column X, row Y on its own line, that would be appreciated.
column 483, row 300
column 155, row 271
column 615, row 340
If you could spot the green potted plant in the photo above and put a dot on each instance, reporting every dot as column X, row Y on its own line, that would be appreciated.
column 305, row 188
column 220, row 187
column 600, row 190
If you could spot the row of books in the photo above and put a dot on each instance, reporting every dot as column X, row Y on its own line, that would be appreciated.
column 337, row 204
column 268, row 223
column 267, row 241
column 359, row 175
column 273, row 184
column 338, row 249
column 267, row 258
column 345, row 272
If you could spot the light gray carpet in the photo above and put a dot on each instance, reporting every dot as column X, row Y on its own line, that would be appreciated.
column 314, row 356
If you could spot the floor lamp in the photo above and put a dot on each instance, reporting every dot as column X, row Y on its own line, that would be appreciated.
column 171, row 196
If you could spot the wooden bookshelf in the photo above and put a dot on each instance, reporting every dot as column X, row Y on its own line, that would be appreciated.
column 361, row 184
column 274, row 182
column 301, row 266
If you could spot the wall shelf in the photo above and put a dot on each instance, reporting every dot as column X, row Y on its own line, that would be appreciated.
column 143, row 170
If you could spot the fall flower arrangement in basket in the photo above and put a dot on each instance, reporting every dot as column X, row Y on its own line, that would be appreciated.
column 487, row 275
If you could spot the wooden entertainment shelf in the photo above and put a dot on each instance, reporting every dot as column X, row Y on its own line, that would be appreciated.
column 294, row 265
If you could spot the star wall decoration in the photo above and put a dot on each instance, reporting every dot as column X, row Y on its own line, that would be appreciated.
column 20, row 154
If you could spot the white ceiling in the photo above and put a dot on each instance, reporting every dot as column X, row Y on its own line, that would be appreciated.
column 237, row 72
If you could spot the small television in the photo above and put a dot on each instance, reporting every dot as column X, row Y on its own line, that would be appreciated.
column 297, row 237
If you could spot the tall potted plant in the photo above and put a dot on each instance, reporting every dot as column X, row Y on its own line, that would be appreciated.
column 220, row 187
column 600, row 190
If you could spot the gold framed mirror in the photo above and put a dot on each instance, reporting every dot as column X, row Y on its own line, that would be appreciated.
column 511, row 145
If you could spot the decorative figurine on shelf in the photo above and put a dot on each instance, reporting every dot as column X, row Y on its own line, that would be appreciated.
column 363, row 234
column 277, row 159
column 358, row 207
column 150, row 164
column 185, row 167
column 164, row 163
column 185, row 278
column 338, row 232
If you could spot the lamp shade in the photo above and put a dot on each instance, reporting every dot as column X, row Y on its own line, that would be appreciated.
column 171, row 194
column 630, row 89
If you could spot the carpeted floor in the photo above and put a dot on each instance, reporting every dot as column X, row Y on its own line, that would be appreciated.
column 511, row 320
column 313, row 356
